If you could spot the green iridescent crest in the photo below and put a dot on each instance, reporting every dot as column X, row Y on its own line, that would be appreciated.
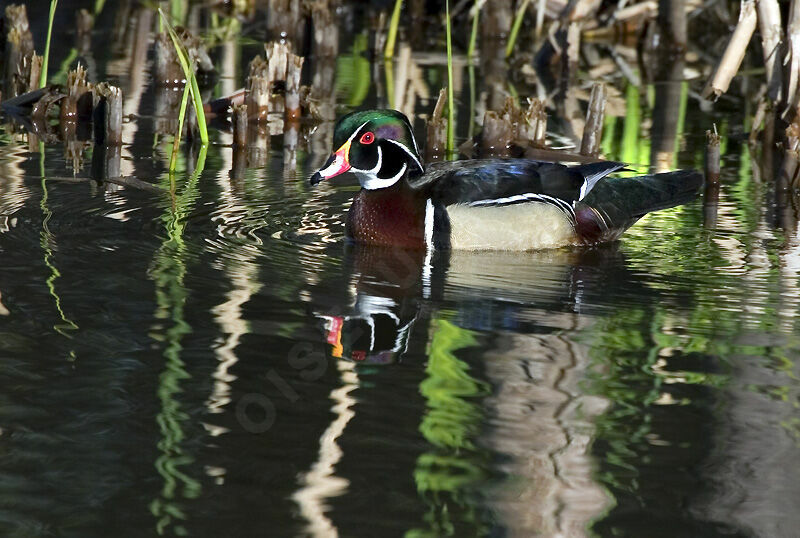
column 385, row 124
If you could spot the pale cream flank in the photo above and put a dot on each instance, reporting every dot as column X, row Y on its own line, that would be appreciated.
column 527, row 226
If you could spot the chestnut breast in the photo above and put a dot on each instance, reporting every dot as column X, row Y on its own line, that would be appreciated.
column 388, row 217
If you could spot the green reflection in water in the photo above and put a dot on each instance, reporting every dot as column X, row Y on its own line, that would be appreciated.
column 446, row 475
column 168, row 273
column 47, row 240
column 352, row 73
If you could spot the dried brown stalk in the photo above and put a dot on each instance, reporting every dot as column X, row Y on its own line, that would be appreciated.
column 593, row 130
column 734, row 53
column 769, row 25
column 436, row 143
column 793, row 54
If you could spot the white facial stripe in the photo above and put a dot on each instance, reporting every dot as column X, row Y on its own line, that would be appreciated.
column 375, row 169
column 352, row 136
column 373, row 182
column 405, row 149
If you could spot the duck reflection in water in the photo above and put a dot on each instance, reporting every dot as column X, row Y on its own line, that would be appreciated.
column 390, row 293
column 498, row 374
column 376, row 327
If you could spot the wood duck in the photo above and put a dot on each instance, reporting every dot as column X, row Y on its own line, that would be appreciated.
column 504, row 204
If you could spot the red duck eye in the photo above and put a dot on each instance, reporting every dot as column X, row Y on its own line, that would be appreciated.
column 367, row 138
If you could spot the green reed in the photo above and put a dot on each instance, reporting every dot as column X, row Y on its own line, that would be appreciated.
column 394, row 23
column 43, row 75
column 512, row 38
column 191, row 83
column 450, row 103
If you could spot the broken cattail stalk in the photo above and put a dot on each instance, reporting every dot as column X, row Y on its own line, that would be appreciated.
column 593, row 130
column 436, row 143
column 36, row 70
column 278, row 60
column 771, row 30
column 712, row 161
column 793, row 54
column 168, row 70
column 18, row 51
column 108, row 115
column 734, row 53
column 78, row 102
column 532, row 126
column 240, row 126
column 497, row 19
column 258, row 91
column 497, row 135
column 294, row 66
column 788, row 177
column 84, row 22
column 571, row 59
column 672, row 20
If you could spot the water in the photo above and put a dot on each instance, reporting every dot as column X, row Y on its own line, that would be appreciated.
column 225, row 366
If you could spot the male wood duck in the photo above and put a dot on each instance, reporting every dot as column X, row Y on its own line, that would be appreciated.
column 504, row 204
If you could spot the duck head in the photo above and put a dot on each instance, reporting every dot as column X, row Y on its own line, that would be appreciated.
column 378, row 146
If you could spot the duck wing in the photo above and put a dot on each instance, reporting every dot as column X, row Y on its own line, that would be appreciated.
column 484, row 180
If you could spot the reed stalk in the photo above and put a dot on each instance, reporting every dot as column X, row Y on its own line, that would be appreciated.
column 734, row 52
column 43, row 75
column 176, row 142
column 512, row 38
column 473, row 36
column 191, row 80
column 388, row 52
column 450, row 101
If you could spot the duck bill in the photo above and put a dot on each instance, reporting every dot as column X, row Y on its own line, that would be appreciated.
column 336, row 164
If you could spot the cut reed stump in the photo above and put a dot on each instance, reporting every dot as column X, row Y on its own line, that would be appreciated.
column 258, row 91
column 240, row 126
column 436, row 143
column 78, row 103
column 712, row 158
column 497, row 135
column 593, row 130
column 18, row 52
column 107, row 115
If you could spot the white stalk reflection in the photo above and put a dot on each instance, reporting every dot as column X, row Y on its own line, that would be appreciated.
column 321, row 483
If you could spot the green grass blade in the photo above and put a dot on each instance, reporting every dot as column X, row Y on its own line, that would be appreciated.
column 388, row 51
column 191, row 79
column 450, row 103
column 512, row 38
column 43, row 76
column 173, row 159
column 473, row 36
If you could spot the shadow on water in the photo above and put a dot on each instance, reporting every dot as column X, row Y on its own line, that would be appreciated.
column 202, row 354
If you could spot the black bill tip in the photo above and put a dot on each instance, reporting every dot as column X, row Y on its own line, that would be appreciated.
column 316, row 178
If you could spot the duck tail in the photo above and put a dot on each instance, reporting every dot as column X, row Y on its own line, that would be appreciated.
column 617, row 203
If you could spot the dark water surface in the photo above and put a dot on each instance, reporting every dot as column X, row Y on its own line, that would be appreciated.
column 223, row 365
